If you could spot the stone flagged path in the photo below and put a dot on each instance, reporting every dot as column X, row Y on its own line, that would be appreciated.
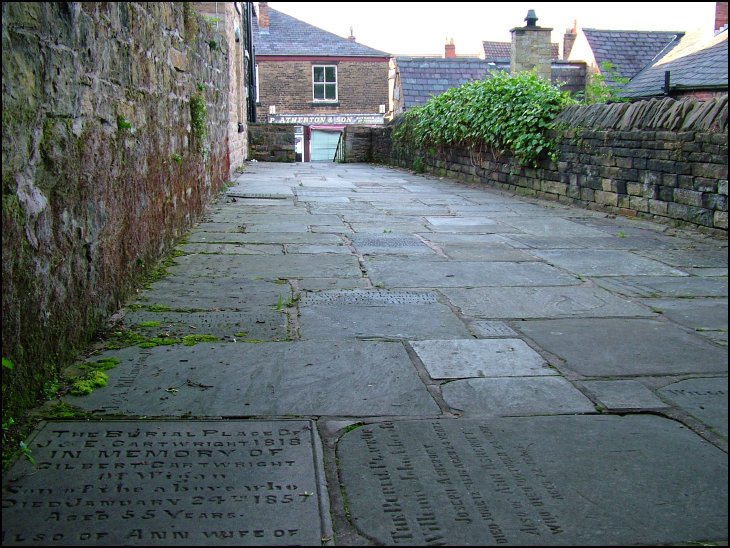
column 399, row 359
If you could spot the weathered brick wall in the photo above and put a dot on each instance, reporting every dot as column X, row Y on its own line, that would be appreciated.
column 663, row 160
column 271, row 142
column 103, row 166
column 361, row 86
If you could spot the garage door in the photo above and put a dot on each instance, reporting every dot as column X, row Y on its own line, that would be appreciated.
column 323, row 145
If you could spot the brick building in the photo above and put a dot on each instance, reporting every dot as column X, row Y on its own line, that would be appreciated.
column 414, row 80
column 316, row 80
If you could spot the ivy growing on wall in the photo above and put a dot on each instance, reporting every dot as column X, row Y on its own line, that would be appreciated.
column 198, row 119
column 498, row 114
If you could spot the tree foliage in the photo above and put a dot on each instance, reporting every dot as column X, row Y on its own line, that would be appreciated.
column 605, row 86
column 500, row 113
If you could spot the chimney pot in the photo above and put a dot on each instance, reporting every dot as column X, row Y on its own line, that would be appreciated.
column 531, row 18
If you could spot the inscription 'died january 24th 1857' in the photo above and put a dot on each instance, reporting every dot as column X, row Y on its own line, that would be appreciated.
column 174, row 482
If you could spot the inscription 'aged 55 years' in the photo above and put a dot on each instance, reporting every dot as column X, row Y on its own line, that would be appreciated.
column 184, row 483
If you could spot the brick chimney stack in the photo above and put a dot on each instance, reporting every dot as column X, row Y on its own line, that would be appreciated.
column 720, row 15
column 569, row 39
column 351, row 38
column 264, row 17
column 449, row 49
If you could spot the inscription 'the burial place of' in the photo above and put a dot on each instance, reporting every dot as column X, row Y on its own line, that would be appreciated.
column 182, row 483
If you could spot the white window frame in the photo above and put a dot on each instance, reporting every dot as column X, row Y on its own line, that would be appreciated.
column 325, row 83
column 256, row 82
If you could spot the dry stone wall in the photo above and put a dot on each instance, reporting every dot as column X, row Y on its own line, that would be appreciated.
column 115, row 119
column 664, row 160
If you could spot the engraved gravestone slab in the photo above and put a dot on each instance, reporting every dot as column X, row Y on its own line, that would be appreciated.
column 262, row 323
column 520, row 481
column 370, row 297
column 168, row 482
column 222, row 293
column 704, row 398
column 370, row 241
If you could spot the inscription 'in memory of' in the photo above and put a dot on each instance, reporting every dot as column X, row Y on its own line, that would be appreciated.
column 182, row 483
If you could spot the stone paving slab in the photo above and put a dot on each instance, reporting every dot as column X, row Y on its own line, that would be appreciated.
column 221, row 293
column 514, row 396
column 277, row 238
column 395, row 225
column 600, row 240
column 466, row 225
column 480, row 358
column 623, row 395
column 173, row 483
column 452, row 238
column 699, row 314
column 665, row 286
column 324, row 284
column 400, row 273
column 398, row 321
column 267, row 267
column 491, row 328
column 606, row 262
column 310, row 378
column 702, row 257
column 264, row 323
column 232, row 249
column 280, row 226
column 523, row 481
column 708, row 272
column 315, row 249
column 625, row 347
column 496, row 252
column 542, row 302
column 704, row 398
column 549, row 226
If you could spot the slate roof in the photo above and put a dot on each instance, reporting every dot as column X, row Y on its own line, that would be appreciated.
column 500, row 52
column 629, row 50
column 698, row 61
column 424, row 77
column 290, row 36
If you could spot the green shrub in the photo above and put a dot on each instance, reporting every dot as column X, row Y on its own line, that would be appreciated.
column 599, row 91
column 500, row 113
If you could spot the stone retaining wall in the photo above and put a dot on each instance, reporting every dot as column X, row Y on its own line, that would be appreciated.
column 115, row 121
column 271, row 142
column 664, row 160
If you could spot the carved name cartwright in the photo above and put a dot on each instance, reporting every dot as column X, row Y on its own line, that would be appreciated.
column 196, row 482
